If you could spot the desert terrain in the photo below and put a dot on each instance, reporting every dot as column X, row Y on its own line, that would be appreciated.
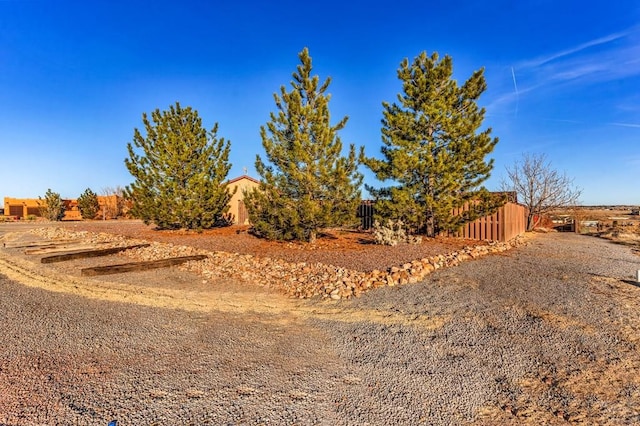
column 544, row 333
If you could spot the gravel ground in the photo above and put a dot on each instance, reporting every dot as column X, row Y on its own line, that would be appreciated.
column 542, row 334
column 546, row 333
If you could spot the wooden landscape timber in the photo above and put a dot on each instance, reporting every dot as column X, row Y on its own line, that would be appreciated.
column 62, row 248
column 139, row 266
column 88, row 253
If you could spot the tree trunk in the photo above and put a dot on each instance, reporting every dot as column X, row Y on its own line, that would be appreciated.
column 532, row 222
column 430, row 224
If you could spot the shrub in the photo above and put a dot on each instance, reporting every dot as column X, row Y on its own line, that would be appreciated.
column 226, row 219
column 392, row 233
column 88, row 204
column 52, row 206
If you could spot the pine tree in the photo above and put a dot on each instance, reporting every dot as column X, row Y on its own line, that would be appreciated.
column 180, row 174
column 433, row 149
column 307, row 184
column 88, row 204
column 53, row 207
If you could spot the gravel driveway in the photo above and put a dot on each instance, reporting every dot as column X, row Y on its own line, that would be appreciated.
column 543, row 334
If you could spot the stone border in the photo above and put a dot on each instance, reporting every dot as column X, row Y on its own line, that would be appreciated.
column 301, row 280
column 353, row 283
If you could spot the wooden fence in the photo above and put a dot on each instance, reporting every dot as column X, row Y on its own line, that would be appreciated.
column 365, row 214
column 506, row 223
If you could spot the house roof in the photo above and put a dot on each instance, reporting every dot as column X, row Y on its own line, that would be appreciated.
column 239, row 178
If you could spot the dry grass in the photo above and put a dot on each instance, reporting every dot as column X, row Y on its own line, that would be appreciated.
column 614, row 224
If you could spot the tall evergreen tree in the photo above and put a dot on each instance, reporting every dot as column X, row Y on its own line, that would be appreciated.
column 180, row 174
column 53, row 207
column 307, row 184
column 88, row 204
column 433, row 149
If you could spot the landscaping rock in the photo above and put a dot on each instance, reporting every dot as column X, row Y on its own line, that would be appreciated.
column 301, row 279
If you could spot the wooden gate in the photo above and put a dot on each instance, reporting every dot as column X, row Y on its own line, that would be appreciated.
column 243, row 214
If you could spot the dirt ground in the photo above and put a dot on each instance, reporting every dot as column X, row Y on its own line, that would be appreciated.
column 546, row 333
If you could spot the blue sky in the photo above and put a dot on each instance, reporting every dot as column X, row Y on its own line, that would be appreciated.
column 75, row 77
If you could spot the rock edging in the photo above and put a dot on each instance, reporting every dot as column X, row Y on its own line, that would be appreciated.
column 301, row 280
column 353, row 283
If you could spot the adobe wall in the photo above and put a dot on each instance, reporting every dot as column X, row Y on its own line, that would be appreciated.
column 23, row 207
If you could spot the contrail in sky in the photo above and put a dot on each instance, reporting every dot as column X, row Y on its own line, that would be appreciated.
column 515, row 86
column 625, row 125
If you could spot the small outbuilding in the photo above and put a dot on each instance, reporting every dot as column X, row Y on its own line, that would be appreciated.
column 236, row 206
